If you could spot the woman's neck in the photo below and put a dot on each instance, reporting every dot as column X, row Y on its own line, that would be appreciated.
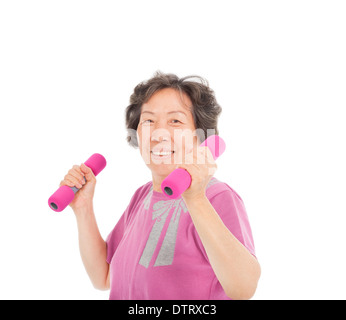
column 157, row 181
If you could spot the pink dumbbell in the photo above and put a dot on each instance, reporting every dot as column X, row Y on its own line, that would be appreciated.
column 61, row 198
column 179, row 180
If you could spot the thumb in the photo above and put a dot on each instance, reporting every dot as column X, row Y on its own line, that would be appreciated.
column 89, row 175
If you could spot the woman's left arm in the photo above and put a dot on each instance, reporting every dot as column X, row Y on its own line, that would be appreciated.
column 237, row 270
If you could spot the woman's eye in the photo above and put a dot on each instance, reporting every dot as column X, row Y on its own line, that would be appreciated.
column 176, row 121
column 147, row 121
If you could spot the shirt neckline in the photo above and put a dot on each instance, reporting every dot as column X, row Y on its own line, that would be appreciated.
column 160, row 195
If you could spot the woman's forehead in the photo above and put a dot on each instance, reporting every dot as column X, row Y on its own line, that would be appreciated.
column 168, row 100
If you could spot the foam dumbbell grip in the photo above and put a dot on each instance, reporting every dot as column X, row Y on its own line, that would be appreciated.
column 61, row 198
column 179, row 180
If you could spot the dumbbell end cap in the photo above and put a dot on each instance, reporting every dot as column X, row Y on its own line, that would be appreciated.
column 61, row 198
column 96, row 163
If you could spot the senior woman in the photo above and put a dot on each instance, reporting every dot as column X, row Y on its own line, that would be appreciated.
column 198, row 246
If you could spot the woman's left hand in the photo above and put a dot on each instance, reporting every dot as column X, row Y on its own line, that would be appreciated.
column 201, row 166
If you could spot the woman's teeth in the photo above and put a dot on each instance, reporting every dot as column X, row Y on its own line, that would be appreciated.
column 162, row 153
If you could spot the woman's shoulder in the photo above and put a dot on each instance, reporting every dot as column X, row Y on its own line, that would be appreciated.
column 142, row 192
column 216, row 187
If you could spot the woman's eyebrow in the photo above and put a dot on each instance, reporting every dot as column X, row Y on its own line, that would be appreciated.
column 177, row 112
column 147, row 112
column 170, row 112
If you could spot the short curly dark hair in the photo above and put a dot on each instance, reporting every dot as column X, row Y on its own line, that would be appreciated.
column 205, row 109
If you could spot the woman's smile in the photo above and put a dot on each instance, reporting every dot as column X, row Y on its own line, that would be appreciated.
column 162, row 153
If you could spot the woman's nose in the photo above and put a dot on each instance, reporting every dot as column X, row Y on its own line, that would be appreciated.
column 160, row 134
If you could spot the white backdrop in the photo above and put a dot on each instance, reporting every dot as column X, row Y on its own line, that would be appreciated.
column 67, row 69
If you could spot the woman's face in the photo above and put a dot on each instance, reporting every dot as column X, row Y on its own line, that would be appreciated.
column 166, row 131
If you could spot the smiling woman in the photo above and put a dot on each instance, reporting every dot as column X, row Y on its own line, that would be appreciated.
column 198, row 246
column 165, row 118
column 201, row 103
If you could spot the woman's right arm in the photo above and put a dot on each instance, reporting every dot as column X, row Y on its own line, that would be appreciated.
column 93, row 248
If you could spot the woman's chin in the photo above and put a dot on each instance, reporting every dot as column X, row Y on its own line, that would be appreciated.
column 162, row 169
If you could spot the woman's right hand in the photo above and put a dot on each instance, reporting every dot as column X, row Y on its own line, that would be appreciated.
column 75, row 178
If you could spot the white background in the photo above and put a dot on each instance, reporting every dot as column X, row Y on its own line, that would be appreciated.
column 67, row 69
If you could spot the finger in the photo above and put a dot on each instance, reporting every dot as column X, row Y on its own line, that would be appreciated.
column 66, row 183
column 212, row 169
column 77, row 169
column 89, row 175
column 206, row 153
column 75, row 181
column 77, row 173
